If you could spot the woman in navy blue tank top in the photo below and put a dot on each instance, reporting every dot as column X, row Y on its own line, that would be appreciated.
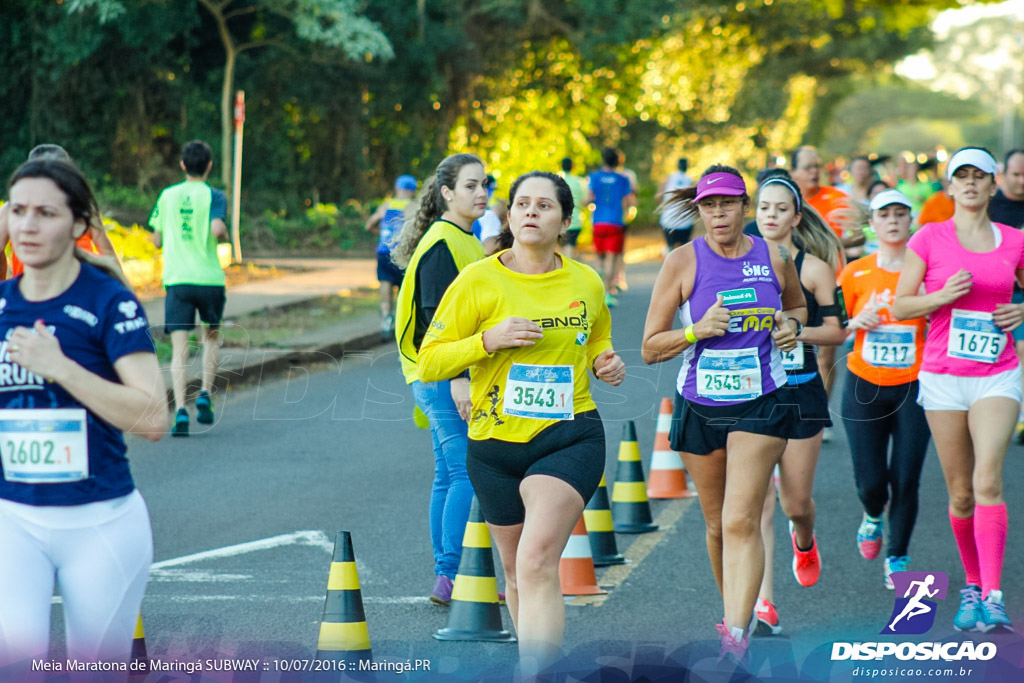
column 740, row 303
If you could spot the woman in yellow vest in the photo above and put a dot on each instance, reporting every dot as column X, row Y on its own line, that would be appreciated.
column 434, row 246
column 532, row 325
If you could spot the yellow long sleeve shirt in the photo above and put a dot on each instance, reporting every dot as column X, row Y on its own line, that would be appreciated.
column 518, row 392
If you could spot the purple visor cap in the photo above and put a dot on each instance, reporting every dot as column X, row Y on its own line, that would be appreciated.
column 720, row 184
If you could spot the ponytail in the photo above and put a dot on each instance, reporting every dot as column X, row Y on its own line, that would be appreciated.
column 431, row 206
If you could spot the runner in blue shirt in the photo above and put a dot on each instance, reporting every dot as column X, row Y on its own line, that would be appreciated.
column 77, row 369
column 612, row 195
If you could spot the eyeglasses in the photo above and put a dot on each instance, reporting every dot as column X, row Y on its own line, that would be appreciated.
column 727, row 204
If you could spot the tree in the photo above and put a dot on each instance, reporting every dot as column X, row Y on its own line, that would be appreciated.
column 335, row 24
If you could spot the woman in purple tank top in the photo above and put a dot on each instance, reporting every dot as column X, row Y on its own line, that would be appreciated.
column 739, row 301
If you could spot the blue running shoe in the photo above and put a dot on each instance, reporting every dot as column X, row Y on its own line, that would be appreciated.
column 869, row 537
column 993, row 614
column 895, row 564
column 180, row 427
column 204, row 408
column 969, row 617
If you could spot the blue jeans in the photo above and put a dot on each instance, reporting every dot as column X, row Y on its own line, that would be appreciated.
column 452, row 494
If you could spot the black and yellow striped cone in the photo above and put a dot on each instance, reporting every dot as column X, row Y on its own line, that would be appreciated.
column 343, row 631
column 630, row 507
column 474, row 613
column 139, row 666
column 598, row 518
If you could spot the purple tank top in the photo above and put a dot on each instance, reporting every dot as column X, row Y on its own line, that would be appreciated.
column 744, row 363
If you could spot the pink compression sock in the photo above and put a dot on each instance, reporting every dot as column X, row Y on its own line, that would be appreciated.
column 963, row 532
column 990, row 524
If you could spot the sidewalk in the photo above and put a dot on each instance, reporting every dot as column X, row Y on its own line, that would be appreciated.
column 322, row 277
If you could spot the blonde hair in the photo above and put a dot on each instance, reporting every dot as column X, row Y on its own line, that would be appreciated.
column 812, row 233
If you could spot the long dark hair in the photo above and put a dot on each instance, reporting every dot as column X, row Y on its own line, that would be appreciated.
column 78, row 195
column 431, row 206
column 68, row 178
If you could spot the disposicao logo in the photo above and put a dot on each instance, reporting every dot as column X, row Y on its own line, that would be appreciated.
column 914, row 613
column 916, row 595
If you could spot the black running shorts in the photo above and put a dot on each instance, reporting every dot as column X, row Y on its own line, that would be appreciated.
column 700, row 429
column 182, row 302
column 570, row 450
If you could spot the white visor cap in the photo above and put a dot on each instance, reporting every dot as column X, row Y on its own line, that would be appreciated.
column 971, row 156
column 884, row 199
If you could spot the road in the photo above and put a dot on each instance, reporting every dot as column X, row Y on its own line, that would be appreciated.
column 333, row 447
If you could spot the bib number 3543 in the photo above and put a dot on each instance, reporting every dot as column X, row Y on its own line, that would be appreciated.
column 44, row 446
column 974, row 336
column 539, row 392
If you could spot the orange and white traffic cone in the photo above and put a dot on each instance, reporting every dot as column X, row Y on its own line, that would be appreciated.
column 668, row 476
column 576, row 568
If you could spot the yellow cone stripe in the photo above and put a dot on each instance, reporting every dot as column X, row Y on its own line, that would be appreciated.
column 598, row 520
column 343, row 637
column 629, row 492
column 477, row 536
column 139, row 633
column 629, row 451
column 475, row 589
column 343, row 577
column 664, row 423
column 666, row 460
column 577, row 548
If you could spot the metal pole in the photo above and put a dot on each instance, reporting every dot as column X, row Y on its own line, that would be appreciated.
column 236, row 185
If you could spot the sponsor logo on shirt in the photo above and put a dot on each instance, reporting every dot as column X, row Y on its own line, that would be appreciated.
column 738, row 296
column 756, row 270
column 751, row 319
column 575, row 318
column 14, row 377
column 85, row 316
column 128, row 308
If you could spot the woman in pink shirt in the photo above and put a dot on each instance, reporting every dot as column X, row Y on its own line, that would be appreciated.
column 970, row 379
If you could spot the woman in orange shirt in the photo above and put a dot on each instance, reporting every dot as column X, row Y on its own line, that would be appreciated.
column 880, row 397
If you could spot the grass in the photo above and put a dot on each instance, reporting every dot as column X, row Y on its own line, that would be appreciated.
column 273, row 327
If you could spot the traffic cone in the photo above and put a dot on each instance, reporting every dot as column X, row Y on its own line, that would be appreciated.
column 474, row 613
column 598, row 518
column 576, row 567
column 344, row 635
column 630, row 507
column 668, row 477
column 139, row 666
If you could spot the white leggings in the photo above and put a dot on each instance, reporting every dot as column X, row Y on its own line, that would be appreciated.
column 99, row 554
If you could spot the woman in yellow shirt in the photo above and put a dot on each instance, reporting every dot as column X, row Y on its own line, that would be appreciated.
column 529, row 324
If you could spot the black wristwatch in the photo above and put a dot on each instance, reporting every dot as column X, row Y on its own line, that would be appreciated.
column 799, row 326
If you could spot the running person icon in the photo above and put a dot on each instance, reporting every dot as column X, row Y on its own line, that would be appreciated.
column 915, row 607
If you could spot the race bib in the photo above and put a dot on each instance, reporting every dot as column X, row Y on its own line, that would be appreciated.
column 974, row 336
column 890, row 346
column 729, row 374
column 539, row 392
column 793, row 360
column 44, row 446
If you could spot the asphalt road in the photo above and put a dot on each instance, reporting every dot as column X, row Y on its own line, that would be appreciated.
column 333, row 447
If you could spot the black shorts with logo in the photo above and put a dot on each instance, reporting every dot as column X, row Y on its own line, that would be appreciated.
column 701, row 429
column 183, row 301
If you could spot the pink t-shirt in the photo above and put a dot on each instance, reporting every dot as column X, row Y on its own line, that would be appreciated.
column 978, row 348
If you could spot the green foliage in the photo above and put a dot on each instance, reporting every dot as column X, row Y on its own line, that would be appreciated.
column 321, row 227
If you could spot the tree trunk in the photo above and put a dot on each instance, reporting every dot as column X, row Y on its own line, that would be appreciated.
column 226, row 113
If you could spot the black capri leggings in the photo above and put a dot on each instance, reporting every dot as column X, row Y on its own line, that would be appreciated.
column 571, row 450
column 874, row 416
